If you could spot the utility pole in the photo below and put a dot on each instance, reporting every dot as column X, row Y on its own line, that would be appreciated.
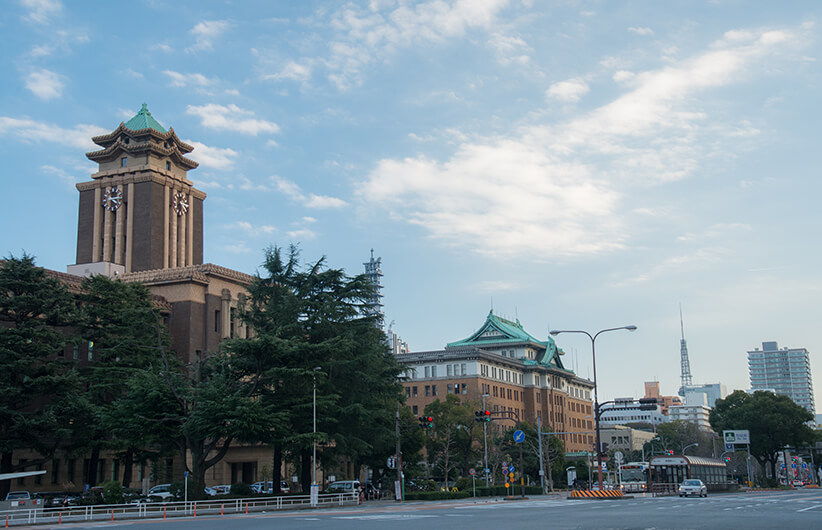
column 398, row 488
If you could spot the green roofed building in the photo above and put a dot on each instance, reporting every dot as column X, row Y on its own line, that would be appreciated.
column 514, row 370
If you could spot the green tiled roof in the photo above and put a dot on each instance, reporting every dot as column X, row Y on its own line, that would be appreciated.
column 497, row 331
column 144, row 120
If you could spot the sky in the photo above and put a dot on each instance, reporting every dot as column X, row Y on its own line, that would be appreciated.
column 575, row 165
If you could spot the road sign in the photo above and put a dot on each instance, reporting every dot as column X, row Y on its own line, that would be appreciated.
column 737, row 437
column 472, row 471
column 519, row 436
column 618, row 456
column 487, row 470
column 511, row 469
column 804, row 465
column 729, row 447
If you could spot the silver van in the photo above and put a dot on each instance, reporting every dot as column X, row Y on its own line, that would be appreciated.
column 343, row 486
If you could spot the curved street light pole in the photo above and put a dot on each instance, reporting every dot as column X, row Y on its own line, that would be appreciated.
column 593, row 338
column 689, row 446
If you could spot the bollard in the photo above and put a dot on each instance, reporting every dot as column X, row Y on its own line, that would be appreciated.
column 221, row 509
column 246, row 508
column 60, row 518
column 164, row 512
column 195, row 509
column 112, row 514
column 7, row 521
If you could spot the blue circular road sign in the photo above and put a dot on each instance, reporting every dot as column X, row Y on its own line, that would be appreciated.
column 519, row 436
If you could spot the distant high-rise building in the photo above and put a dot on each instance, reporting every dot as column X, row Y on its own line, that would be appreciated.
column 685, row 365
column 712, row 391
column 785, row 371
column 374, row 273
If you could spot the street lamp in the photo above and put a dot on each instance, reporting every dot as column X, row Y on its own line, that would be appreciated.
column 314, row 455
column 593, row 338
column 485, row 440
column 688, row 446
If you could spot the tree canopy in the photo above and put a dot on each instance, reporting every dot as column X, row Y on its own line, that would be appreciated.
column 774, row 421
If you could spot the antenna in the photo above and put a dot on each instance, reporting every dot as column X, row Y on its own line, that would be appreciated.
column 685, row 365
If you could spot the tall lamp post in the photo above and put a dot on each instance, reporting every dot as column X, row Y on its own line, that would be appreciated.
column 593, row 338
column 485, row 441
column 689, row 446
column 314, row 486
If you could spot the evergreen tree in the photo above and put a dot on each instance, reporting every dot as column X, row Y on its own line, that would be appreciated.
column 310, row 329
column 37, row 382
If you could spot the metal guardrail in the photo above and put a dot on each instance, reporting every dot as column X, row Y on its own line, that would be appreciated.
column 159, row 510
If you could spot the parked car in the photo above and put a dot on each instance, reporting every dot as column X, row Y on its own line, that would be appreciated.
column 343, row 486
column 797, row 484
column 161, row 492
column 211, row 492
column 693, row 486
column 223, row 489
column 18, row 496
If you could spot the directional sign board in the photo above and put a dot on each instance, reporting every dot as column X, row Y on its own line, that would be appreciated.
column 519, row 436
column 737, row 437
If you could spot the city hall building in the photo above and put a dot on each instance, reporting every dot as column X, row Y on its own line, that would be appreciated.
column 514, row 371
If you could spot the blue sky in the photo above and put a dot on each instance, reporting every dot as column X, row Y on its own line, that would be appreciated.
column 574, row 164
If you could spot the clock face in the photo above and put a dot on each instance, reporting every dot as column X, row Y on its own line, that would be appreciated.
column 112, row 199
column 180, row 203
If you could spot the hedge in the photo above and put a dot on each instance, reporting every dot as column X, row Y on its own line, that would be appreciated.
column 436, row 495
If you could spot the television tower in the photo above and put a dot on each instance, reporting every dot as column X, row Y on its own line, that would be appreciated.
column 687, row 380
column 374, row 302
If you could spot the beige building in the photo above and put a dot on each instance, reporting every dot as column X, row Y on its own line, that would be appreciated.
column 515, row 372
column 624, row 438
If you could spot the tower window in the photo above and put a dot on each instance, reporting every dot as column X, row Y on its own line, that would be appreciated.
column 168, row 166
column 123, row 162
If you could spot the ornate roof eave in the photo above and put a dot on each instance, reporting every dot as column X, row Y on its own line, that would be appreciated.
column 104, row 139
column 114, row 149
column 193, row 273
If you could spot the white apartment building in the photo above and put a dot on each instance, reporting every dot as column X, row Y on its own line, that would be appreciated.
column 787, row 371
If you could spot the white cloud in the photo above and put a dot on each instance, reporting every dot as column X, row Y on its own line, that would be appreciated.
column 510, row 50
column 161, row 47
column 568, row 91
column 45, row 84
column 641, row 31
column 237, row 248
column 231, row 118
column 41, row 51
column 205, row 32
column 182, row 80
column 252, row 229
column 62, row 174
column 293, row 71
column 213, row 157
column 292, row 190
column 301, row 234
column 623, row 75
column 566, row 189
column 26, row 129
column 371, row 34
column 40, row 11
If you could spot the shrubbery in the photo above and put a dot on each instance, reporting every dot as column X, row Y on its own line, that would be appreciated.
column 436, row 495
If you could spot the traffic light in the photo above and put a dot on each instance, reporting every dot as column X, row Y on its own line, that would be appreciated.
column 426, row 422
column 482, row 415
column 647, row 403
column 669, row 452
column 727, row 459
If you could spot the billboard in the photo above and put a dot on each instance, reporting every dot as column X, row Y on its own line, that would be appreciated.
column 736, row 437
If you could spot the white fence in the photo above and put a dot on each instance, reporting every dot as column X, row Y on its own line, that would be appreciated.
column 157, row 510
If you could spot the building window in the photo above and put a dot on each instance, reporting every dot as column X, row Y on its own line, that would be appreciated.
column 456, row 389
column 433, row 371
column 232, row 314
column 427, row 372
column 414, row 391
column 464, row 388
column 123, row 162
column 408, row 391
column 75, row 353
column 415, row 409
column 463, row 371
column 168, row 166
column 427, row 390
column 433, row 390
column 217, row 321
column 448, row 388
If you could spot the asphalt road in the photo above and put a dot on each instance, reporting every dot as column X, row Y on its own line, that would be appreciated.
column 798, row 509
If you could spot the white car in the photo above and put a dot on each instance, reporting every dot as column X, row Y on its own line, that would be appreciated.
column 162, row 492
column 693, row 486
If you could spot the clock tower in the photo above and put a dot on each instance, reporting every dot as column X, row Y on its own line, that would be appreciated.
column 139, row 212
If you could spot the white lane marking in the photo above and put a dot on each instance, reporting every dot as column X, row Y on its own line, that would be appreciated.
column 387, row 516
column 810, row 508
